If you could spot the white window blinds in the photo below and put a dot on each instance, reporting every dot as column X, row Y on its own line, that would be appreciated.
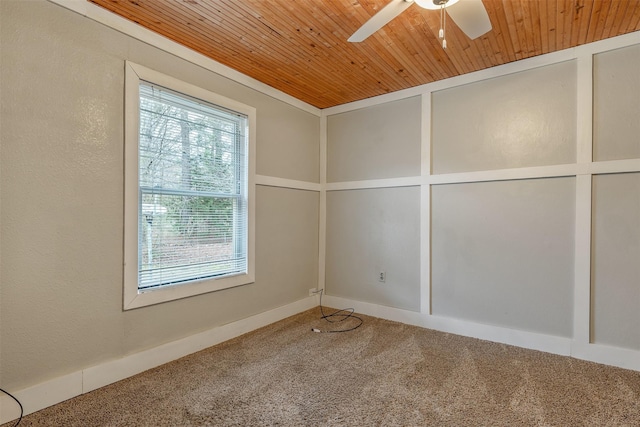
column 192, row 209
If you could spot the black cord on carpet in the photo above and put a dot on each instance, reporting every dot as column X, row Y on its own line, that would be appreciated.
column 338, row 316
column 19, row 404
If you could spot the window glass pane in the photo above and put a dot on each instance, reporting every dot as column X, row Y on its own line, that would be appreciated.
column 192, row 187
column 185, row 144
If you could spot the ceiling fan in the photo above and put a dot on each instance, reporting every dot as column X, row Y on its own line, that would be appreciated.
column 469, row 15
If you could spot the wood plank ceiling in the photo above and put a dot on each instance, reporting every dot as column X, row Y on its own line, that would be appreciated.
column 300, row 46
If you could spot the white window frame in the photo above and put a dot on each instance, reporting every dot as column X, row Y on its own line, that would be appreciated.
column 134, row 297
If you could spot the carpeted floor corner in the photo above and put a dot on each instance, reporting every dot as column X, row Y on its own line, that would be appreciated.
column 381, row 374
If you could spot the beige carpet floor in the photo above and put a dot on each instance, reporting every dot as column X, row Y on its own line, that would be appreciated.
column 381, row 374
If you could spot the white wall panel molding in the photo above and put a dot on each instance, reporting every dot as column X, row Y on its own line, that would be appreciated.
column 322, row 225
column 582, row 242
column 612, row 166
column 608, row 44
column 409, row 181
column 615, row 166
column 272, row 181
column 508, row 174
column 575, row 169
column 425, row 206
column 40, row 396
column 118, row 23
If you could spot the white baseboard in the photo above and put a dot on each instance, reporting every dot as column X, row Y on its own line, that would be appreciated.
column 525, row 339
column 54, row 391
column 607, row 355
column 390, row 313
column 530, row 340
column 62, row 388
column 40, row 396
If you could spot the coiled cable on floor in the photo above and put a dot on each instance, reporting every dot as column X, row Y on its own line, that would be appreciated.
column 338, row 316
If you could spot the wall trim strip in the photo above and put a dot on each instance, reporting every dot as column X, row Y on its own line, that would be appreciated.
column 553, row 171
column 409, row 181
column 272, row 181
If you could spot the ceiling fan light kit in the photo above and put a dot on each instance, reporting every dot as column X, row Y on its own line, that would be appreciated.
column 434, row 4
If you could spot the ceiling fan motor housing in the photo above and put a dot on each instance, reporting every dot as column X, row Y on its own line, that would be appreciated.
column 471, row 16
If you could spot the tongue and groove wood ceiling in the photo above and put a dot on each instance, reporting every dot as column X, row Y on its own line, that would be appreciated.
column 300, row 46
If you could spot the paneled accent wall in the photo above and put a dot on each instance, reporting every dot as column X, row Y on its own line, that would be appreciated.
column 615, row 280
column 529, row 201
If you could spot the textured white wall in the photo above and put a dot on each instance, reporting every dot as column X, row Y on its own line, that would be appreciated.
column 377, row 142
column 616, row 260
column 290, row 145
column 519, row 120
column 616, row 93
column 502, row 253
column 369, row 231
column 62, row 189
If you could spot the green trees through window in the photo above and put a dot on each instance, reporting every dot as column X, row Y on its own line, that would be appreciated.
column 193, row 183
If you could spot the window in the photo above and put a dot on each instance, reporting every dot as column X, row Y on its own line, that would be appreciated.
column 188, row 190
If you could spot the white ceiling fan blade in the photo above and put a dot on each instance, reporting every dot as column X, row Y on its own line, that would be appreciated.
column 471, row 17
column 380, row 19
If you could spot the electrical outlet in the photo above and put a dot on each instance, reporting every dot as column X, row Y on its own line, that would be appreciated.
column 382, row 276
